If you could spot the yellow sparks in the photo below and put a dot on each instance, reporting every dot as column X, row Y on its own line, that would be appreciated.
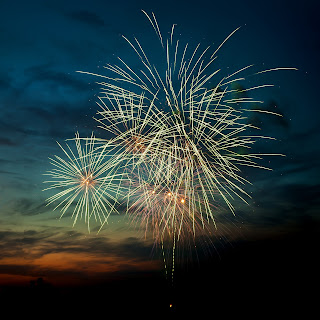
column 87, row 180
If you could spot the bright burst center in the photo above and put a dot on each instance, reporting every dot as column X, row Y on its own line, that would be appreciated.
column 135, row 144
column 87, row 181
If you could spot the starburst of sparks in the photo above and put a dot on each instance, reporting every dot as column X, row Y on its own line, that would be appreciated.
column 88, row 181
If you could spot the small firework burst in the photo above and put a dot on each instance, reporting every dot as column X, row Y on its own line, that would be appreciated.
column 87, row 183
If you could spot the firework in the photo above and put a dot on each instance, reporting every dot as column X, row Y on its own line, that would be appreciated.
column 182, row 134
column 87, row 182
column 164, row 206
column 173, row 117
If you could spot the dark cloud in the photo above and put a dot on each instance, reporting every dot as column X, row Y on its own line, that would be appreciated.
column 16, row 184
column 37, row 106
column 59, row 240
column 134, row 247
column 8, row 126
column 306, row 135
column 7, row 142
column 57, row 121
column 87, row 17
column 301, row 166
column 14, row 269
column 4, row 161
column 4, row 235
column 10, row 244
column 32, row 245
column 5, row 82
column 48, row 73
column 29, row 206
column 8, row 172
column 277, row 206
column 301, row 196
column 74, row 118
column 303, row 144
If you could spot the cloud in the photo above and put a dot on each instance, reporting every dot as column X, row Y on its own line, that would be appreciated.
column 58, row 240
column 280, row 206
column 46, row 72
column 7, row 142
column 39, row 102
column 43, row 85
column 8, row 172
column 45, row 120
column 54, row 253
column 87, row 17
column 5, row 82
column 301, row 196
column 28, row 206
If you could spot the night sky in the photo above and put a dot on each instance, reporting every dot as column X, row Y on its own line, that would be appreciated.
column 260, row 261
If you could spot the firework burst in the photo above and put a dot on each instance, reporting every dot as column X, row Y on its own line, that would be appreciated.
column 179, row 127
column 167, row 207
column 88, row 181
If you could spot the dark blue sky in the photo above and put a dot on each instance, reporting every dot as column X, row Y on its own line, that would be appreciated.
column 44, row 100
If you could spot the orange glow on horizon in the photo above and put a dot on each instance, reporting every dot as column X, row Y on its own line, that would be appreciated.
column 70, row 268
